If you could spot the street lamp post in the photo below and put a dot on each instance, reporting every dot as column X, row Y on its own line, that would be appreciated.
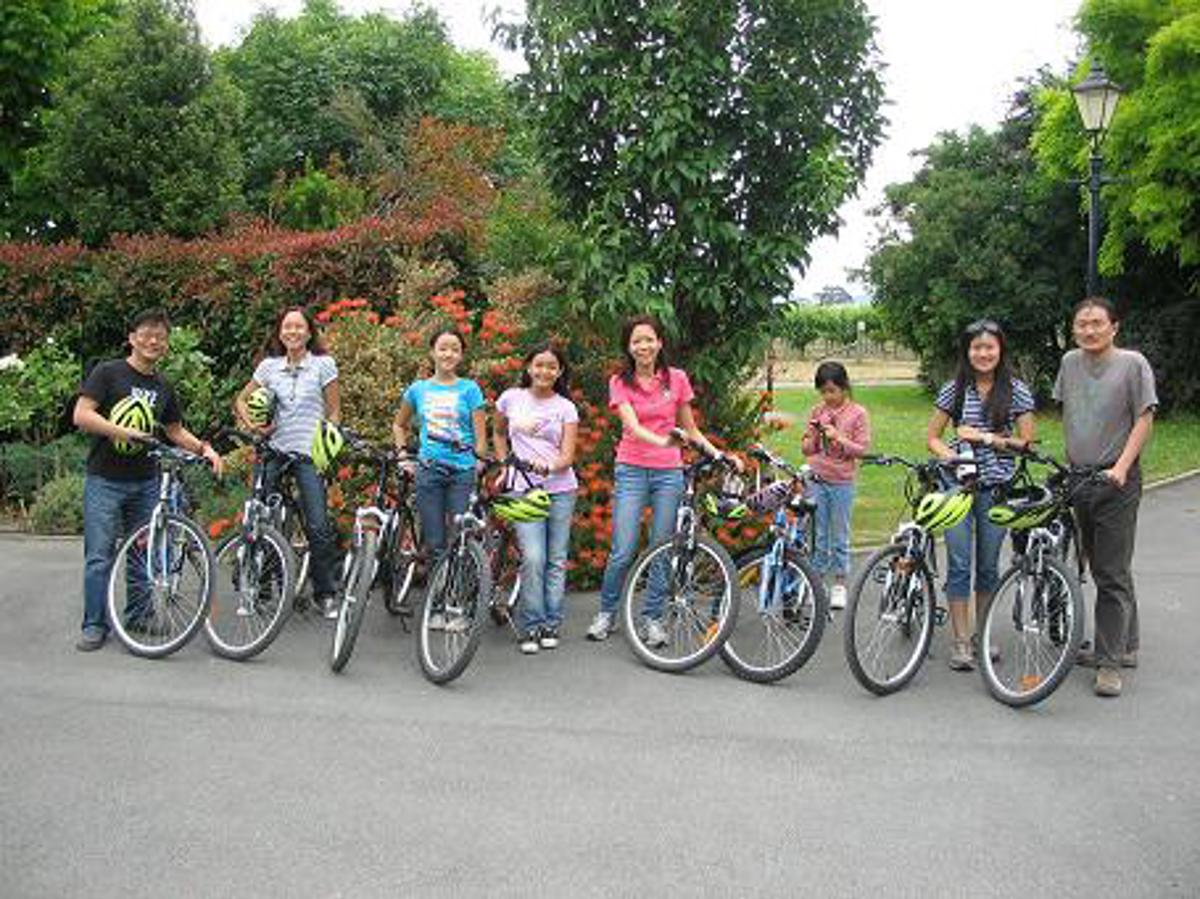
column 1096, row 98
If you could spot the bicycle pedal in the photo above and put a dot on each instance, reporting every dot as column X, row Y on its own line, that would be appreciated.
column 710, row 633
column 940, row 616
column 1030, row 681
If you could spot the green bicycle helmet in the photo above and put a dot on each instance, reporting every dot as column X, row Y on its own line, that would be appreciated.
column 261, row 406
column 728, row 503
column 531, row 506
column 131, row 412
column 327, row 444
column 940, row 511
column 1023, row 509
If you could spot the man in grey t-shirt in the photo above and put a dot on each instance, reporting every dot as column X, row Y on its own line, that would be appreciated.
column 1108, row 401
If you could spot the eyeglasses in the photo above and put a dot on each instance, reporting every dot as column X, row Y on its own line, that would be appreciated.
column 983, row 326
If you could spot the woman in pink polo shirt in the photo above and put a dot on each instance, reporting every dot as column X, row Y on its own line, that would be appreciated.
column 652, row 399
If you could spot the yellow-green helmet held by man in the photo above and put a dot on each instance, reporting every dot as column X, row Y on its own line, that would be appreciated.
column 132, row 412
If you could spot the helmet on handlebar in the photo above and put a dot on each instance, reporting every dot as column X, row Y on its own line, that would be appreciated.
column 728, row 502
column 770, row 497
column 327, row 444
column 533, row 505
column 941, row 510
column 132, row 412
column 261, row 406
column 1023, row 508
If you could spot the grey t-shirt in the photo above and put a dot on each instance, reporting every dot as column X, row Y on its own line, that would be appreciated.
column 1102, row 399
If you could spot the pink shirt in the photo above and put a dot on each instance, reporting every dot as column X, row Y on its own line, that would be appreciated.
column 655, row 409
column 535, row 428
column 836, row 462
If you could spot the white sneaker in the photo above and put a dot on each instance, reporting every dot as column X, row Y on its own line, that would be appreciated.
column 529, row 644
column 437, row 622
column 837, row 597
column 602, row 625
column 655, row 635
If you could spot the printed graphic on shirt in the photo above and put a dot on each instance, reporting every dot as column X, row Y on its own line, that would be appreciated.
column 441, row 414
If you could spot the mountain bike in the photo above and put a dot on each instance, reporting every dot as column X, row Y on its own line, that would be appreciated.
column 892, row 606
column 383, row 548
column 784, row 607
column 258, row 569
column 685, row 582
column 462, row 583
column 161, row 584
column 1036, row 617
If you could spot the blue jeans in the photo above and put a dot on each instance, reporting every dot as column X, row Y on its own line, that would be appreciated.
column 544, row 546
column 831, row 555
column 635, row 488
column 988, row 539
column 111, row 510
column 322, row 541
column 441, row 493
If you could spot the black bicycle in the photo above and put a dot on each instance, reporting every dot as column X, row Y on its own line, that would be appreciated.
column 784, row 605
column 1035, row 621
column 384, row 547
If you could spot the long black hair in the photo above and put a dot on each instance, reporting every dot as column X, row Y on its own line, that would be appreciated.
column 629, row 366
column 562, row 384
column 998, row 405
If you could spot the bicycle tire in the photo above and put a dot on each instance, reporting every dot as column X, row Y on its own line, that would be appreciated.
column 245, row 624
column 885, row 567
column 1014, row 622
column 505, row 565
column 688, row 624
column 169, row 623
column 795, row 629
column 457, row 590
column 297, row 540
column 404, row 558
column 356, row 594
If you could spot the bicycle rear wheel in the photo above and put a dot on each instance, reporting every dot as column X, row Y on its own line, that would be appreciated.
column 297, row 540
column 405, row 555
column 1036, row 622
column 356, row 591
column 691, row 599
column 889, row 620
column 448, row 631
column 781, row 621
column 505, row 563
column 160, row 587
column 252, row 594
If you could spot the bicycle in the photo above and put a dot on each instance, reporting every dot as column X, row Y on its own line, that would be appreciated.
column 161, row 584
column 784, row 603
column 258, row 561
column 383, row 549
column 686, row 581
column 892, row 606
column 461, row 583
column 1036, row 616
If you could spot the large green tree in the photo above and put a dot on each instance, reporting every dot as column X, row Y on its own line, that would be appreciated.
column 141, row 135
column 979, row 232
column 700, row 146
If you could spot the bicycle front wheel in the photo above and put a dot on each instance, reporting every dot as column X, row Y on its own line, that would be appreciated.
column 678, row 607
column 782, row 616
column 360, row 572
column 252, row 594
column 160, row 587
column 1035, row 621
column 889, row 620
column 448, row 632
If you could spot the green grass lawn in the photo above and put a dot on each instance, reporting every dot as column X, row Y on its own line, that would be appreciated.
column 899, row 415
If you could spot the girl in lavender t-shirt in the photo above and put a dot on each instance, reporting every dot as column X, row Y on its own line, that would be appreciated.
column 652, row 400
column 542, row 424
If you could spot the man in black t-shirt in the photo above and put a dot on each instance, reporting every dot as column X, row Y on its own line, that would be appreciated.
column 120, row 489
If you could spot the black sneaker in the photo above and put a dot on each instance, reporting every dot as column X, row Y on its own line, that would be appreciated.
column 548, row 639
column 529, row 644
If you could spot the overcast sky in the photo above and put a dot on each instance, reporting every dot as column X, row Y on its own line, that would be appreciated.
column 950, row 63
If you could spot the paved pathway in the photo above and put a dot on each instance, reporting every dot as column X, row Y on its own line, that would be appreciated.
column 579, row 773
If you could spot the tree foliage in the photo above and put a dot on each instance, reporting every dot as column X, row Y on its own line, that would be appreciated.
column 700, row 146
column 978, row 232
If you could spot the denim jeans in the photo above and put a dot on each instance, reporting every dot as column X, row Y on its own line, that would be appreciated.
column 988, row 539
column 635, row 488
column 322, row 540
column 544, row 546
column 111, row 510
column 441, row 492
column 831, row 554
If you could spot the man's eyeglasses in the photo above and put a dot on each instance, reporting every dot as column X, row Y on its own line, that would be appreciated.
column 983, row 326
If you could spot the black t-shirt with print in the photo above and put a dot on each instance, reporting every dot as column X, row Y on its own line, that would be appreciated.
column 109, row 383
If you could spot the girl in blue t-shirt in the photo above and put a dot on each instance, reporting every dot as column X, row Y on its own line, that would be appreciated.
column 448, row 406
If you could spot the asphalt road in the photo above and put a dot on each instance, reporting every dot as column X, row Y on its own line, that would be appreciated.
column 580, row 773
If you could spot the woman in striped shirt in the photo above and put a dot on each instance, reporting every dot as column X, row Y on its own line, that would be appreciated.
column 990, row 409
column 302, row 376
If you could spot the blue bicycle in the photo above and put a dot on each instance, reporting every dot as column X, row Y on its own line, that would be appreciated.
column 784, row 607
